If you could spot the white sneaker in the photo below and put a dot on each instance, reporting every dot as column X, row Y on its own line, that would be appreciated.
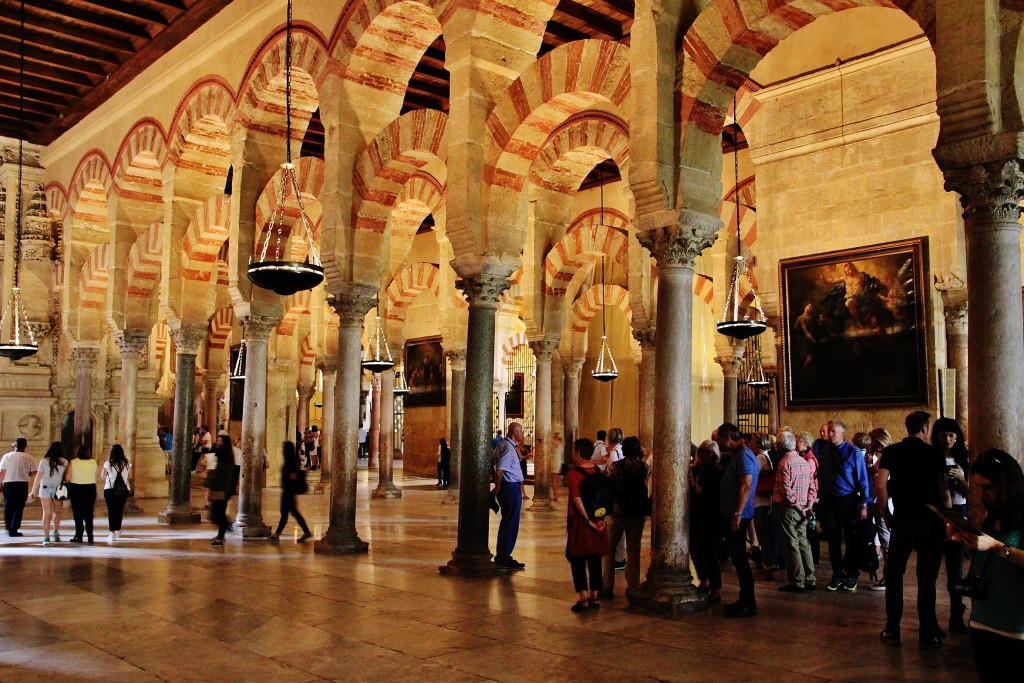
column 110, row 537
column 117, row 535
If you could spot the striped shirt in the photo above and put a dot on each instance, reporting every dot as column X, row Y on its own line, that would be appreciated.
column 793, row 483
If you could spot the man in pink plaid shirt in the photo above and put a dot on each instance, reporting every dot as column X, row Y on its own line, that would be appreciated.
column 796, row 490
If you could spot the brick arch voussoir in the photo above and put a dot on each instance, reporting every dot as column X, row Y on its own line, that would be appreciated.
column 588, row 304
column 568, row 255
column 409, row 283
column 93, row 278
column 147, row 137
column 207, row 97
column 221, row 325
column 93, row 167
column 204, row 237
column 261, row 103
column 144, row 263
column 295, row 306
column 512, row 343
column 56, row 201
column 591, row 129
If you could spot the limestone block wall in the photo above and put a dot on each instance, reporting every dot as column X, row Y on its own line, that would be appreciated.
column 843, row 159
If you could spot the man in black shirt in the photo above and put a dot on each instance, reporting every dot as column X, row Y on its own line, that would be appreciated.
column 913, row 473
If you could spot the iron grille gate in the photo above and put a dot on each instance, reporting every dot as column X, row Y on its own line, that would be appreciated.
column 752, row 401
column 520, row 377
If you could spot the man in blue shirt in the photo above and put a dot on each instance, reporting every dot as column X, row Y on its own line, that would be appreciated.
column 843, row 488
column 736, row 504
column 508, row 475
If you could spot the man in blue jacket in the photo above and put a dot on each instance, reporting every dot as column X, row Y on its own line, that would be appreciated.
column 843, row 487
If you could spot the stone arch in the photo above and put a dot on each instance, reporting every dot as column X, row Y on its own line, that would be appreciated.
column 261, row 98
column 90, row 188
column 144, row 262
column 161, row 339
column 512, row 343
column 221, row 325
column 704, row 288
column 565, row 81
column 92, row 287
column 720, row 49
column 590, row 302
column 199, row 133
column 410, row 282
column 204, row 238
column 307, row 357
column 570, row 253
column 574, row 148
column 295, row 306
column 420, row 197
column 56, row 201
column 311, row 185
column 143, row 151
column 414, row 143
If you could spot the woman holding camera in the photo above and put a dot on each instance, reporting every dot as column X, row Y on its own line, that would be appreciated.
column 996, row 581
column 948, row 438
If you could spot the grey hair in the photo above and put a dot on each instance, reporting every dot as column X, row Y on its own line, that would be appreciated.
column 788, row 441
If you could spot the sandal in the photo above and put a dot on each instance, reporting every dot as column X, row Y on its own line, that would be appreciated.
column 579, row 607
column 595, row 603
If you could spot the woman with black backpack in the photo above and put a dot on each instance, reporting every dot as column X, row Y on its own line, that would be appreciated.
column 629, row 515
column 293, row 483
column 587, row 533
column 116, row 489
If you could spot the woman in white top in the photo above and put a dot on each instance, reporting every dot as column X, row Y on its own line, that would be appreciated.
column 49, row 475
column 81, row 479
column 116, row 489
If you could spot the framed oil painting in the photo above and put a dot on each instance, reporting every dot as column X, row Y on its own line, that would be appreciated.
column 425, row 372
column 855, row 330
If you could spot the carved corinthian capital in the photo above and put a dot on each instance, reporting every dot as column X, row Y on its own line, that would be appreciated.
column 683, row 242
column 258, row 328
column 989, row 193
column 188, row 337
column 456, row 359
column 645, row 338
column 132, row 344
column 484, row 289
column 351, row 304
column 956, row 319
column 543, row 350
column 85, row 356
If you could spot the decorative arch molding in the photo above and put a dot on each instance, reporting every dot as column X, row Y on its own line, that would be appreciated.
column 512, row 343
column 410, row 282
column 610, row 217
column 720, row 49
column 138, row 161
column 571, row 151
column 295, row 306
column 704, row 288
column 204, row 237
column 93, row 169
column 93, row 279
column 307, row 352
column 588, row 304
column 203, row 119
column 161, row 338
column 56, row 201
column 578, row 246
column 221, row 325
column 144, row 263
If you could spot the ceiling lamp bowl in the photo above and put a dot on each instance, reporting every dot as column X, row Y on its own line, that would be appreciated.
column 741, row 329
column 286, row 277
column 606, row 370
column 377, row 365
column 17, row 351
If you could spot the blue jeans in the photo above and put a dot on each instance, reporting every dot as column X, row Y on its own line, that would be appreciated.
column 510, row 499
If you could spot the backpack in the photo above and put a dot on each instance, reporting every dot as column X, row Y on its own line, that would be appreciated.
column 766, row 480
column 119, row 487
column 631, row 491
column 598, row 494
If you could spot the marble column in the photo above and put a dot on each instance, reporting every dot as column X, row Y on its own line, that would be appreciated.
column 329, row 366
column 990, row 194
column 133, row 345
column 373, row 438
column 187, row 339
column 305, row 392
column 955, row 313
column 254, row 428
column 668, row 588
column 543, row 350
column 646, row 338
column 457, row 362
column 210, row 400
column 572, row 369
column 772, row 375
column 730, row 371
column 385, row 473
column 472, row 556
column 85, row 359
column 352, row 303
column 557, row 404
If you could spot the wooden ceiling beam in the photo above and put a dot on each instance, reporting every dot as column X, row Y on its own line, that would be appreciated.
column 65, row 13
column 133, row 10
column 47, row 32
column 58, row 74
column 598, row 22
column 37, row 86
column 48, row 51
column 564, row 33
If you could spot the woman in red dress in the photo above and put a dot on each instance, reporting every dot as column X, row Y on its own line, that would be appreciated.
column 587, row 538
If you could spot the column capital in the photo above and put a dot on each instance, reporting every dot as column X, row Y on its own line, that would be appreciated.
column 327, row 363
column 483, row 290
column 188, row 337
column 956, row 318
column 543, row 349
column 85, row 356
column 573, row 367
column 456, row 359
column 730, row 365
column 306, row 391
column 989, row 192
column 645, row 337
column 258, row 327
column 132, row 343
column 351, row 302
column 680, row 244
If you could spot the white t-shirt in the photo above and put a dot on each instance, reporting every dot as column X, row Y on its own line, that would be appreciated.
column 958, row 499
column 18, row 466
column 600, row 450
column 238, row 456
column 207, row 441
column 109, row 473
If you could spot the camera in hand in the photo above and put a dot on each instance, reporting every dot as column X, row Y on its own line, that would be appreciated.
column 973, row 587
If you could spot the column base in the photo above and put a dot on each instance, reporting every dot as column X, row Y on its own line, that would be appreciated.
column 131, row 507
column 339, row 546
column 179, row 516
column 251, row 527
column 667, row 599
column 542, row 505
column 451, row 497
column 472, row 566
column 321, row 487
column 387, row 492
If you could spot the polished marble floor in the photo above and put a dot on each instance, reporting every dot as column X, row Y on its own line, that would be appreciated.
column 165, row 605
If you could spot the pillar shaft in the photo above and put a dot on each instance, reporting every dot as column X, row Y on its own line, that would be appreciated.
column 187, row 339
column 254, row 428
column 956, row 358
column 132, row 346
column 305, row 392
column 457, row 362
column 669, row 588
column 990, row 195
column 472, row 555
column 374, row 436
column 730, row 372
column 647, row 385
column 386, row 471
column 543, row 351
column 330, row 370
column 572, row 369
column 211, row 400
column 85, row 362
column 351, row 303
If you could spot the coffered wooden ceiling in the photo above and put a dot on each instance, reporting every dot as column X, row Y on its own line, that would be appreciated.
column 78, row 53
